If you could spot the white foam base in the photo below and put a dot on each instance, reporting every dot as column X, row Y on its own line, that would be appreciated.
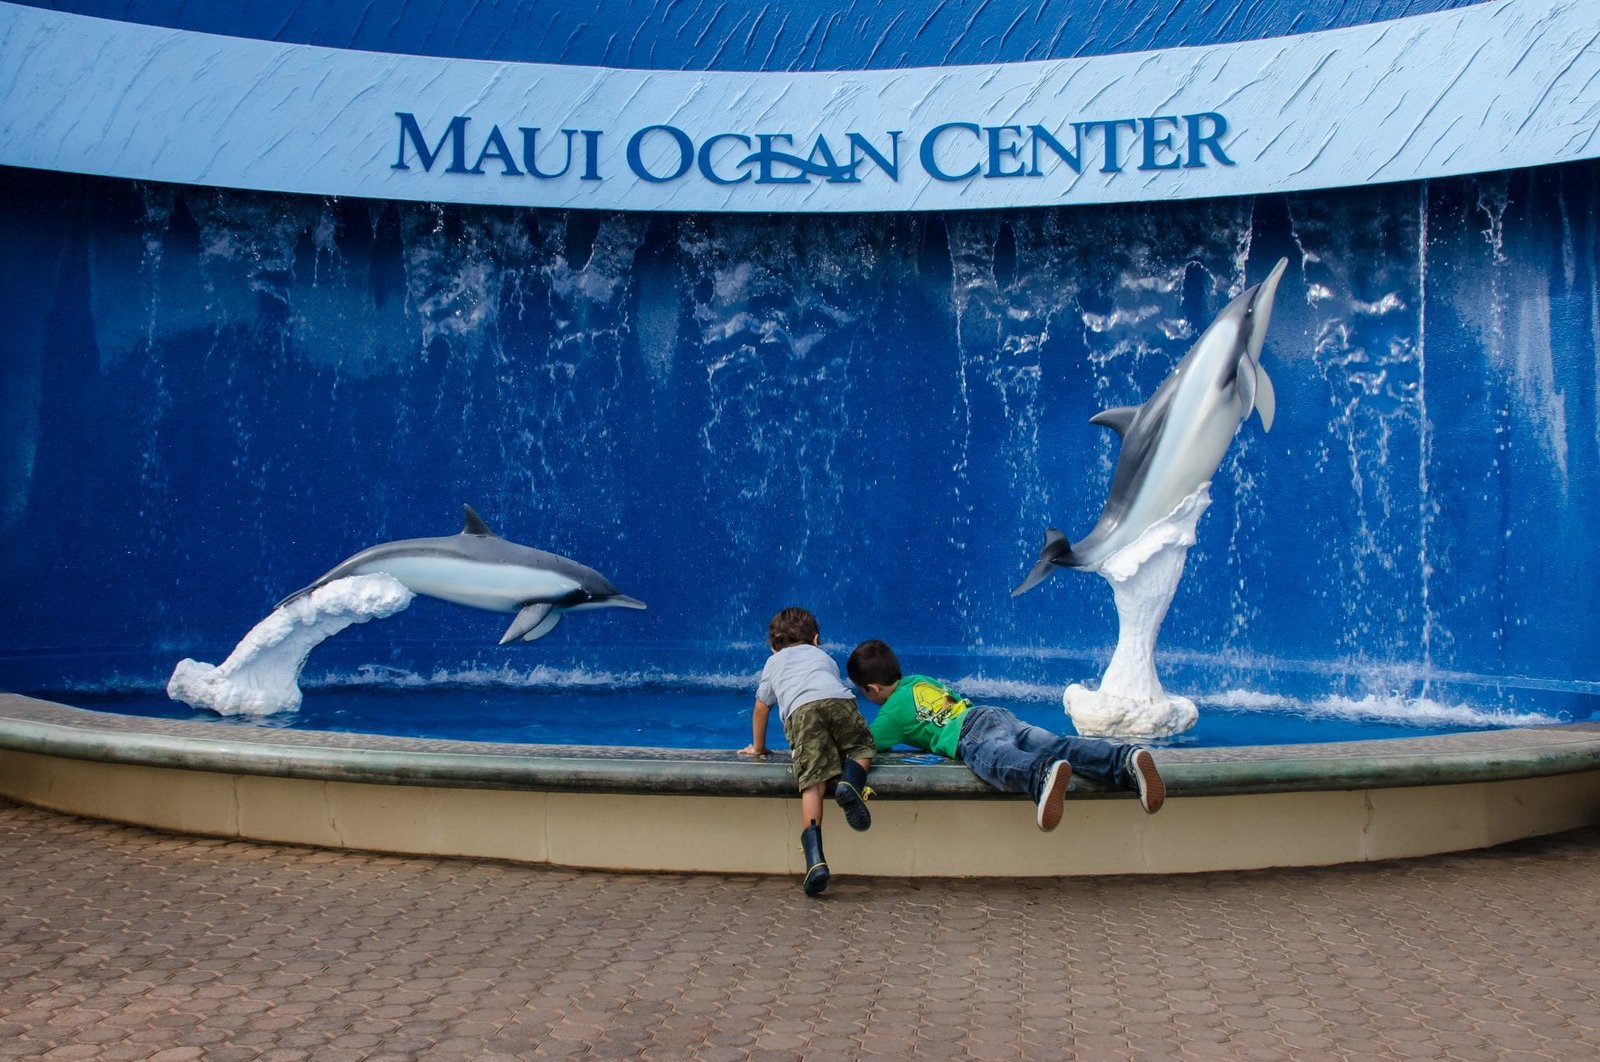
column 262, row 674
column 1144, row 578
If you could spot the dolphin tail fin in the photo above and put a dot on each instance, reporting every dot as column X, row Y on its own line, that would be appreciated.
column 475, row 524
column 1051, row 555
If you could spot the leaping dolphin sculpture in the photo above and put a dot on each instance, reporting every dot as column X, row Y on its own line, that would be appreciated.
column 1173, row 443
column 480, row 569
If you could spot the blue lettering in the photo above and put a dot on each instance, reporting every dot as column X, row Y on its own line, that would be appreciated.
column 711, row 174
column 680, row 139
column 999, row 151
column 1113, row 157
column 930, row 143
column 530, row 152
column 1153, row 142
column 820, row 163
column 591, row 155
column 1040, row 133
column 455, row 133
column 1219, row 127
column 859, row 143
column 766, row 157
column 501, row 152
column 829, row 166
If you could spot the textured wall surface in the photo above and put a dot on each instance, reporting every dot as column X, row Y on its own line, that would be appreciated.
column 1449, row 93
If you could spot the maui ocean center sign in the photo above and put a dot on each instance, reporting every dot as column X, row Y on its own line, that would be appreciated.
column 1489, row 86
column 952, row 152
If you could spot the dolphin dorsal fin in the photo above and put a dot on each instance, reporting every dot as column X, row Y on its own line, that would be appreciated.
column 1116, row 418
column 475, row 525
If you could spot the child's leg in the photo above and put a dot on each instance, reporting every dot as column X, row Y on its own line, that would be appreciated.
column 852, row 792
column 992, row 747
column 1105, row 762
column 815, row 759
column 851, row 735
column 1117, row 765
column 990, row 750
column 811, row 803
column 816, row 876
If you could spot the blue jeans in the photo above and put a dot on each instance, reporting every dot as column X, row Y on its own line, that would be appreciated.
column 1014, row 756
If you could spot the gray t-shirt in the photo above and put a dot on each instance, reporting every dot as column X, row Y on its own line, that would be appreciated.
column 799, row 674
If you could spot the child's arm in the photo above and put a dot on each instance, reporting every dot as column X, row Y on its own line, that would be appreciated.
column 758, row 730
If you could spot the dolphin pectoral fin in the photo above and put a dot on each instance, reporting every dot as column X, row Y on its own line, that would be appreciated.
column 545, row 626
column 528, row 620
column 1055, row 547
column 1116, row 418
column 1244, row 384
column 476, row 526
column 1266, row 398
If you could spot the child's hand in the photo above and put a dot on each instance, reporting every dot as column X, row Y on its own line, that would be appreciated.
column 751, row 750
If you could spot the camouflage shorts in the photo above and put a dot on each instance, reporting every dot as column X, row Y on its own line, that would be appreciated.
column 821, row 735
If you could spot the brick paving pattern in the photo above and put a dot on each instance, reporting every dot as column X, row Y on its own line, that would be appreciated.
column 122, row 943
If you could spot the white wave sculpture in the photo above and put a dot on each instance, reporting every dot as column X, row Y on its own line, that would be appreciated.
column 1144, row 578
column 262, row 674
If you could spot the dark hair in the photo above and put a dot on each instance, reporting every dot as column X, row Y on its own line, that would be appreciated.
column 873, row 663
column 792, row 626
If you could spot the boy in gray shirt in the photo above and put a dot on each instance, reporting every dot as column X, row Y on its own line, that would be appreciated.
column 827, row 734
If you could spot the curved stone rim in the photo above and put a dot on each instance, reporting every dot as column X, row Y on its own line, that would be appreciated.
column 31, row 725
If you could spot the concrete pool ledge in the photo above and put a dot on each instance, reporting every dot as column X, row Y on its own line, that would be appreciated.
column 699, row 810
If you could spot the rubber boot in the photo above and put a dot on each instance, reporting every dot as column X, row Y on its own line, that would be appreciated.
column 852, row 794
column 816, row 878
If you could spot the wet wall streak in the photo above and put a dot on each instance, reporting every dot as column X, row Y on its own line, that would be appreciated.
column 210, row 397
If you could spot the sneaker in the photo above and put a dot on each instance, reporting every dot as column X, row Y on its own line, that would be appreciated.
column 1152, row 789
column 1053, row 795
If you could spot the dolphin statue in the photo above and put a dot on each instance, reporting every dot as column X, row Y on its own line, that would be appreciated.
column 1173, row 443
column 480, row 569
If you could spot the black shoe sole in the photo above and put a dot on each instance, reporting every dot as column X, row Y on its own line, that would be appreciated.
column 856, row 815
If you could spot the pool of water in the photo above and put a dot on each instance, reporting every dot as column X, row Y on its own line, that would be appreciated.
column 720, row 718
column 701, row 700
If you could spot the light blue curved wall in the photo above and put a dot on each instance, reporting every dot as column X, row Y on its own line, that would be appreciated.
column 211, row 395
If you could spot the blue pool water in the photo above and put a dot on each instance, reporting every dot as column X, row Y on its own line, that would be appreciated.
column 717, row 714
column 695, row 696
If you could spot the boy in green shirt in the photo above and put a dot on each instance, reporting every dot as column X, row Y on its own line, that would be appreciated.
column 1009, row 754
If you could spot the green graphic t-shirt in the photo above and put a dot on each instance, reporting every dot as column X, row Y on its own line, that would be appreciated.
column 923, row 713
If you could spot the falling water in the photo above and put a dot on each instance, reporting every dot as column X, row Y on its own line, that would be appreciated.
column 210, row 393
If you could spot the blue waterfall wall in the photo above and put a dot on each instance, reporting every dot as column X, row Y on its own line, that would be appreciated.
column 211, row 396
